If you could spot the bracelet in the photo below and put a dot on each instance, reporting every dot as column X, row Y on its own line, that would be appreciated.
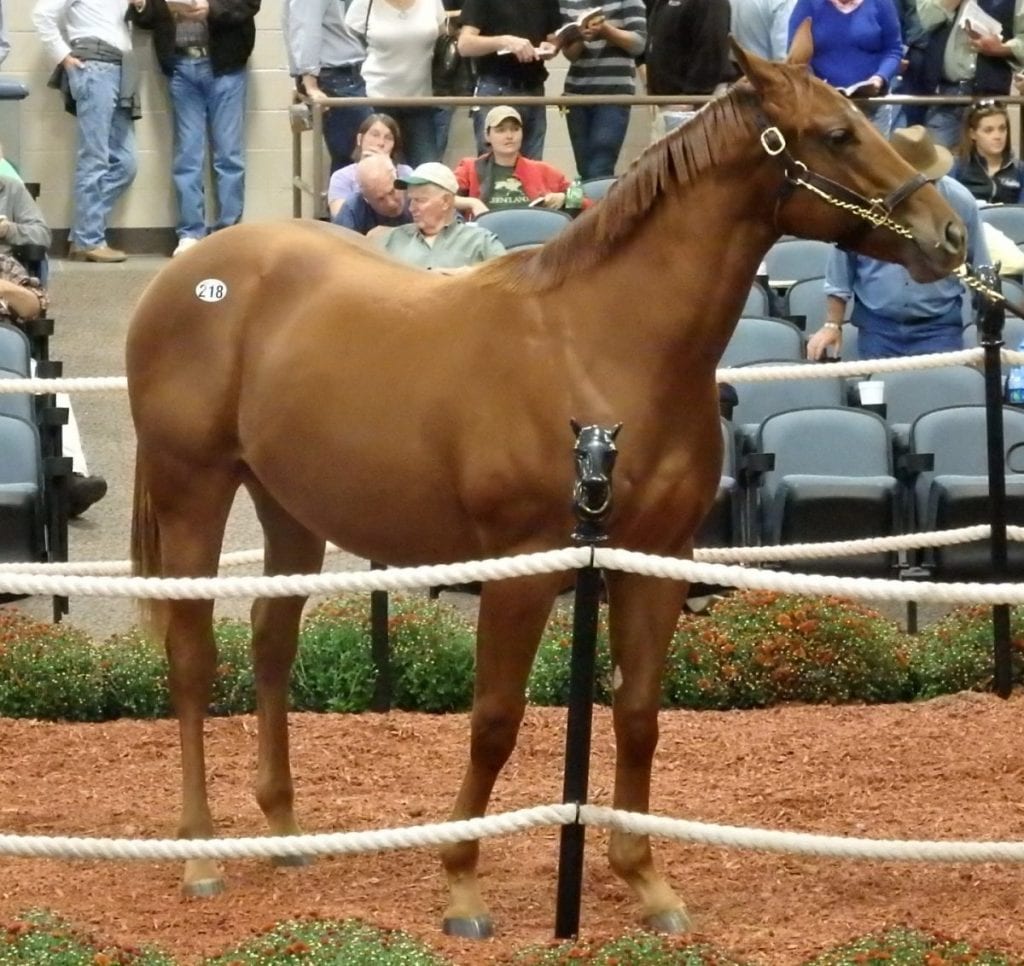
column 838, row 326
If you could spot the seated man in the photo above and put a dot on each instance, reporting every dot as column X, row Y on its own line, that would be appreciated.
column 504, row 178
column 378, row 202
column 437, row 239
column 22, row 298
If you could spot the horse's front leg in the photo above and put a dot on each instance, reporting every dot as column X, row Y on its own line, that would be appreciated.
column 643, row 612
column 512, row 617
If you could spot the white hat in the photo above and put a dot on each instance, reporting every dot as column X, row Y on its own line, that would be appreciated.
column 501, row 113
column 430, row 172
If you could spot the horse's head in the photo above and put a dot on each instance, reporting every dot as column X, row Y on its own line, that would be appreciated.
column 838, row 178
column 595, row 458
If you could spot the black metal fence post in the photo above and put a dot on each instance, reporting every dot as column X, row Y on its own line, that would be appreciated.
column 991, row 318
column 595, row 457
column 380, row 646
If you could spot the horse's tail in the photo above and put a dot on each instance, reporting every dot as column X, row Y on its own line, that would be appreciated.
column 145, row 552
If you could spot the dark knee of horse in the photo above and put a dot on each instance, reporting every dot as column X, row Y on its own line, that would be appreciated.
column 275, row 797
column 494, row 732
column 636, row 733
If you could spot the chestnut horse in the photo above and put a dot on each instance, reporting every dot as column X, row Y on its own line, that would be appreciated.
column 414, row 418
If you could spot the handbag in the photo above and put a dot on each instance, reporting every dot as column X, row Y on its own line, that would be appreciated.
column 451, row 74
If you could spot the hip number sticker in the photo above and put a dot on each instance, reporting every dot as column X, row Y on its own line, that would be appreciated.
column 211, row 290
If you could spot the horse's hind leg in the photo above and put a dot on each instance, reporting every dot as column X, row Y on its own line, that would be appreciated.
column 512, row 617
column 643, row 612
column 288, row 548
column 192, row 508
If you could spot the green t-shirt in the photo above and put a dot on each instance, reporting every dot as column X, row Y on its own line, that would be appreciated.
column 508, row 190
column 7, row 170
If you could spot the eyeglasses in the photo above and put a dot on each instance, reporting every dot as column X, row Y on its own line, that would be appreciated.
column 988, row 104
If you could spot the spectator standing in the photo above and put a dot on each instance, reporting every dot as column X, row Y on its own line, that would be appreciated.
column 858, row 47
column 894, row 315
column 687, row 52
column 399, row 36
column 203, row 50
column 443, row 115
column 762, row 26
column 602, row 62
column 378, row 134
column 326, row 60
column 503, row 177
column 5, row 44
column 90, row 42
column 985, row 164
column 962, row 61
column 510, row 41
column 378, row 202
column 437, row 239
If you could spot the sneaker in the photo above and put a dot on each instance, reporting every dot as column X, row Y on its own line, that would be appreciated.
column 184, row 245
column 101, row 253
column 83, row 492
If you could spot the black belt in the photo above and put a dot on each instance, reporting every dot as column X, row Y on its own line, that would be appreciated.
column 193, row 51
column 352, row 68
column 957, row 87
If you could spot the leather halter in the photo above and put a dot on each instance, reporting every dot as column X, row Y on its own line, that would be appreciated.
column 872, row 211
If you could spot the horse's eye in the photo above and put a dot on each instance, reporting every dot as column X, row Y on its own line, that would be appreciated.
column 839, row 137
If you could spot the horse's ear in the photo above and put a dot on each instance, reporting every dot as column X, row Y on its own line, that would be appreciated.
column 801, row 50
column 615, row 430
column 576, row 427
column 760, row 72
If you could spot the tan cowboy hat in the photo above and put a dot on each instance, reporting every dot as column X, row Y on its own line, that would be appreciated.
column 916, row 147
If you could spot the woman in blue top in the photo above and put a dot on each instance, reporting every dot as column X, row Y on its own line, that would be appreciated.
column 857, row 44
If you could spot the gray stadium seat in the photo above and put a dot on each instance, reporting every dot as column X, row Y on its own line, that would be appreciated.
column 15, row 349
column 1009, row 219
column 21, row 489
column 794, row 259
column 516, row 227
column 762, row 337
column 596, row 188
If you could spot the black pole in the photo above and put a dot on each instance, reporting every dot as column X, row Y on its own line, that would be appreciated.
column 992, row 316
column 595, row 457
column 380, row 645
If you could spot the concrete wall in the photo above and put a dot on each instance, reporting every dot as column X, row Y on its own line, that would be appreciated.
column 40, row 137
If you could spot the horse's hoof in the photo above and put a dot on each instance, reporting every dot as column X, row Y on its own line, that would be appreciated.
column 203, row 888
column 292, row 861
column 469, row 927
column 671, row 922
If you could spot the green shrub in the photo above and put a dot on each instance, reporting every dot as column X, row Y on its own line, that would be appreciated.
column 955, row 653
column 909, row 947
column 135, row 675
column 757, row 648
column 48, row 671
column 548, row 684
column 334, row 668
column 233, row 684
column 43, row 939
column 635, row 948
column 330, row 943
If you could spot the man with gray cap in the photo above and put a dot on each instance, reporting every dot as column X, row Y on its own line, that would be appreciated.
column 894, row 315
column 437, row 239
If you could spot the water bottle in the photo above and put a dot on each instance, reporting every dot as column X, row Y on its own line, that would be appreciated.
column 574, row 196
column 1015, row 382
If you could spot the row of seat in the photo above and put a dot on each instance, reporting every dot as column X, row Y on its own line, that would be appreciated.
column 831, row 473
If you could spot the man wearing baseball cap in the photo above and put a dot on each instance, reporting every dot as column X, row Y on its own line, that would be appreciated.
column 437, row 239
column 502, row 177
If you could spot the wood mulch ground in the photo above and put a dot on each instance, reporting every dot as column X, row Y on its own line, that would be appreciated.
column 946, row 769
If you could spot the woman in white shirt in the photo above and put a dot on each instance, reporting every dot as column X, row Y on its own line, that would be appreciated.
column 400, row 37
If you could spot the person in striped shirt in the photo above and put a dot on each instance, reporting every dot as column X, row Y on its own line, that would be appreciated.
column 602, row 62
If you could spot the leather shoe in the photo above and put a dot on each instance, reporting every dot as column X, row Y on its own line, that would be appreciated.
column 83, row 492
column 101, row 253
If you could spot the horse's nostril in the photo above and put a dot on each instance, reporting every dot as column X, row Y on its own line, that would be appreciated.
column 954, row 237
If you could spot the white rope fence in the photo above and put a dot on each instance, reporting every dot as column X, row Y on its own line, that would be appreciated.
column 508, row 823
column 736, row 376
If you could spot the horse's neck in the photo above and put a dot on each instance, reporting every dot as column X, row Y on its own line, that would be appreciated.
column 680, row 280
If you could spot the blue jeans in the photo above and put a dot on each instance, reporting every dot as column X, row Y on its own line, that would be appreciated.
column 341, row 124
column 535, row 119
column 895, row 339
column 203, row 101
column 597, row 134
column 442, row 125
column 106, row 164
column 419, row 133
column 945, row 124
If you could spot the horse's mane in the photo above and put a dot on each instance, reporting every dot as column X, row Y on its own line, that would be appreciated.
column 680, row 157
